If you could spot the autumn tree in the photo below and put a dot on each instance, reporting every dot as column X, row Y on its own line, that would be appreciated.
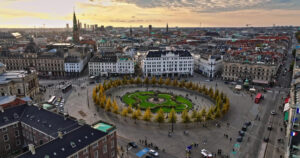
column 210, row 114
column 160, row 116
column 153, row 80
column 125, row 81
column 194, row 114
column 103, row 101
column 130, row 109
column 134, row 116
column 147, row 115
column 195, row 87
column 131, row 81
column 138, row 80
column 199, row 117
column 182, row 83
column 189, row 85
column 108, row 105
column 172, row 116
column 204, row 90
column 175, row 83
column 168, row 81
column 161, row 81
column 138, row 112
column 210, row 93
column 218, row 113
column 216, row 94
column 115, row 107
column 94, row 94
column 124, row 112
column 203, row 114
column 146, row 80
column 185, row 116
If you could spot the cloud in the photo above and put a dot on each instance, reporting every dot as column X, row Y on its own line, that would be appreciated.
column 215, row 5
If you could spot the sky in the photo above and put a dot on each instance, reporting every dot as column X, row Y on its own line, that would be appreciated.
column 126, row 13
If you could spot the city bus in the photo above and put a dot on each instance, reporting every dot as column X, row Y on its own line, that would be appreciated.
column 52, row 99
column 66, row 88
column 258, row 98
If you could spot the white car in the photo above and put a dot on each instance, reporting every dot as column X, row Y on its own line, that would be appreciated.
column 153, row 152
column 206, row 153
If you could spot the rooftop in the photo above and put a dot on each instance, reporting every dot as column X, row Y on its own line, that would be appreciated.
column 159, row 53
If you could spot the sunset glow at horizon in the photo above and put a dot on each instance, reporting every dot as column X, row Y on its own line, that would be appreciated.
column 126, row 13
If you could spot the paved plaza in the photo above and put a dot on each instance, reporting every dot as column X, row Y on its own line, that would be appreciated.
column 79, row 104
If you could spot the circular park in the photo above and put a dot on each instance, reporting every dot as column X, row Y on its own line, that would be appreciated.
column 156, row 100
column 152, row 99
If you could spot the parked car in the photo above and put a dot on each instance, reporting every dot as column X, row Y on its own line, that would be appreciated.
column 244, row 128
column 206, row 153
column 242, row 133
column 273, row 112
column 153, row 152
column 266, row 139
column 132, row 144
column 239, row 139
column 247, row 123
column 148, row 156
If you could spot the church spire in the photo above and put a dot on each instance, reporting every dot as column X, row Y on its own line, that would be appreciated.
column 75, row 29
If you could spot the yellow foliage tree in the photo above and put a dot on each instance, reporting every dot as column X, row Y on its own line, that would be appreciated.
column 185, row 116
column 172, row 116
column 153, row 80
column 124, row 112
column 147, row 115
column 160, row 116
column 108, row 105
column 161, row 81
column 168, row 81
column 115, row 107
column 130, row 109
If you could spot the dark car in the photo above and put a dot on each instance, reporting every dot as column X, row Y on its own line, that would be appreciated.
column 239, row 139
column 244, row 128
column 242, row 133
column 148, row 156
column 266, row 139
column 132, row 144
column 247, row 123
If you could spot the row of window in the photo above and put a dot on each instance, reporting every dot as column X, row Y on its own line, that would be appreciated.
column 163, row 70
column 168, row 58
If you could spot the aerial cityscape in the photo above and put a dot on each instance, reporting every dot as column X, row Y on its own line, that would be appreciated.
column 145, row 79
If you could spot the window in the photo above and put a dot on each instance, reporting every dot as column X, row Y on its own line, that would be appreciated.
column 17, row 133
column 7, row 147
column 4, row 129
column 5, row 138
column 18, row 142
column 112, row 144
column 95, row 145
column 113, row 154
column 96, row 154
column 85, row 151
column 104, row 149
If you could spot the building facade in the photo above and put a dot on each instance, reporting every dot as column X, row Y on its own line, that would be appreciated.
column 259, row 73
column 168, row 63
column 46, row 63
column 210, row 66
column 28, row 126
column 115, row 65
column 19, row 83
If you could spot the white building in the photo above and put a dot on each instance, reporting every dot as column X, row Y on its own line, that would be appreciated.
column 168, row 63
column 210, row 66
column 107, row 65
column 76, row 60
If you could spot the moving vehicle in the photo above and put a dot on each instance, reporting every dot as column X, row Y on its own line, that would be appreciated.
column 258, row 98
column 206, row 153
column 132, row 144
column 242, row 133
column 273, row 112
column 153, row 152
column 239, row 139
column 52, row 99
column 66, row 88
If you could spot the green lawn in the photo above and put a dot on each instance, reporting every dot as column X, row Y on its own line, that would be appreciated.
column 141, row 99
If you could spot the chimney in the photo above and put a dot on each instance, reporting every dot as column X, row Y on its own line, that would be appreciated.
column 1, row 108
column 81, row 122
column 31, row 149
column 60, row 134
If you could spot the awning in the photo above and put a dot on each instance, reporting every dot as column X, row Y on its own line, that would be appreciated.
column 286, row 116
column 286, row 107
column 260, row 81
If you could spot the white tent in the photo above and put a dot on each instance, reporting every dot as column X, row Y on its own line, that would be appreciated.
column 238, row 87
column 252, row 89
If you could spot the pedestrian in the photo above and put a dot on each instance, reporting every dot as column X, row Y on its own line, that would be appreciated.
column 230, row 139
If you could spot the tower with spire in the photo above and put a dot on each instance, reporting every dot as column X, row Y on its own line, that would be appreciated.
column 167, row 28
column 75, row 29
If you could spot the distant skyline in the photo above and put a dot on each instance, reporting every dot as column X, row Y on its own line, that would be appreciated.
column 126, row 13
